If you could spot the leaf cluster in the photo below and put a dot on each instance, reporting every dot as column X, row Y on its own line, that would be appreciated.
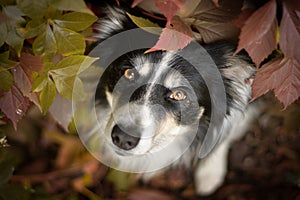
column 273, row 27
column 42, row 46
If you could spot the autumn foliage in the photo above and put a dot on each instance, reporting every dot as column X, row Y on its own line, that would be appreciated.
column 273, row 27
column 43, row 44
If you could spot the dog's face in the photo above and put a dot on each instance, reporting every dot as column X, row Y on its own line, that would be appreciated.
column 153, row 98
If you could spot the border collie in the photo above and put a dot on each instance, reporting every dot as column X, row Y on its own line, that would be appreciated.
column 169, row 108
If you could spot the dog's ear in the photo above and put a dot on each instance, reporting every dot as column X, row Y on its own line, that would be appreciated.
column 114, row 21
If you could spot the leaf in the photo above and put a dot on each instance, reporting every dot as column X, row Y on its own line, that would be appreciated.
column 33, row 8
column 5, row 63
column 214, row 31
column 24, row 75
column 169, row 8
column 6, row 80
column 143, row 23
column 73, row 65
column 34, row 28
column 243, row 16
column 45, row 43
column 15, row 41
column 13, row 12
column 70, row 5
column 39, row 82
column 68, row 42
column 65, row 74
column 47, row 95
column 76, row 21
column 258, row 35
column 227, row 10
column 174, row 37
column 282, row 76
column 290, row 31
column 14, row 105
column 69, row 87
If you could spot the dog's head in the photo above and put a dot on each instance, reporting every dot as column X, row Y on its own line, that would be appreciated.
column 147, row 101
column 153, row 98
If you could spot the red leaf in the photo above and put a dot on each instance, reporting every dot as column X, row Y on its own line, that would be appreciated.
column 23, row 75
column 258, row 35
column 14, row 105
column 282, row 76
column 243, row 16
column 290, row 31
column 175, row 36
column 169, row 8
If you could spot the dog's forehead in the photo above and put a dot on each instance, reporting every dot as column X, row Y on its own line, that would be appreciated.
column 160, row 66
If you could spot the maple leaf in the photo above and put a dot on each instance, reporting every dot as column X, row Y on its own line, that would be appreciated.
column 290, row 31
column 23, row 75
column 175, row 36
column 258, row 35
column 169, row 8
column 14, row 105
column 281, row 75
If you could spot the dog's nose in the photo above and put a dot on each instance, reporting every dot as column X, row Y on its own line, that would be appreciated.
column 123, row 140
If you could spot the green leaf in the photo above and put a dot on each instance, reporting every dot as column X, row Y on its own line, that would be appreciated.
column 68, row 41
column 144, row 24
column 72, row 65
column 33, row 8
column 34, row 28
column 72, row 5
column 47, row 95
column 14, row 13
column 5, row 63
column 45, row 43
column 76, row 21
column 69, row 87
column 6, row 80
column 39, row 83
column 15, row 41
column 3, row 33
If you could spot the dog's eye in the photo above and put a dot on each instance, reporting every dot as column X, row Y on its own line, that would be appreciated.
column 178, row 95
column 130, row 74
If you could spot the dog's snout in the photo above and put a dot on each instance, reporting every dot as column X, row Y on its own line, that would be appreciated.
column 123, row 140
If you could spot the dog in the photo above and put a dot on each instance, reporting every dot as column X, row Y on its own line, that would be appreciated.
column 156, row 109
